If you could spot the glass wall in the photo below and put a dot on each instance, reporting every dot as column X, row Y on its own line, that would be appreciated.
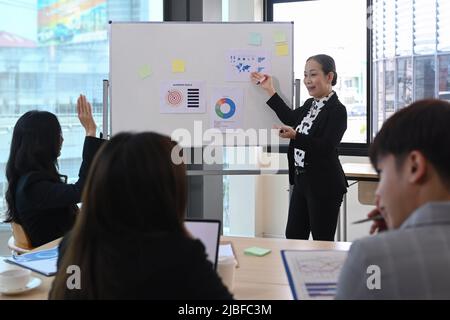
column 444, row 77
column 418, row 68
column 50, row 52
column 322, row 26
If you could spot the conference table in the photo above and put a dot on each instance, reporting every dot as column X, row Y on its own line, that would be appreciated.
column 256, row 278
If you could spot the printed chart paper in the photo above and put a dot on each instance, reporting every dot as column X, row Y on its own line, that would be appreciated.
column 182, row 97
column 226, row 108
column 240, row 63
column 313, row 274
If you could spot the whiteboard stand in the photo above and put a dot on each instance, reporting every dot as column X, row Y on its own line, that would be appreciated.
column 105, row 119
column 297, row 93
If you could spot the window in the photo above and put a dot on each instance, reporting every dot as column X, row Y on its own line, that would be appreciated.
column 50, row 52
column 418, row 68
column 424, row 70
column 389, row 87
column 403, row 27
column 321, row 26
column 443, row 25
column 404, row 82
column 444, row 77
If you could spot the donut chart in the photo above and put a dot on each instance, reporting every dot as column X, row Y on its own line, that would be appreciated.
column 221, row 103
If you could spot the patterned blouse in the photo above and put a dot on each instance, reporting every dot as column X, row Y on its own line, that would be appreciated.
column 305, row 126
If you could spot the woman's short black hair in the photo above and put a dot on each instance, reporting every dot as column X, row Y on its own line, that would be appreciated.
column 423, row 126
column 328, row 65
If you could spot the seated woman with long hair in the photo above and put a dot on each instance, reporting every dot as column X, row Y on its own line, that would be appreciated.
column 38, row 197
column 129, row 240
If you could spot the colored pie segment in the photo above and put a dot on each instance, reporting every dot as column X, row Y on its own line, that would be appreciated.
column 221, row 103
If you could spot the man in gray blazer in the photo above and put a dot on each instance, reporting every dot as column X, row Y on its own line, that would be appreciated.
column 410, row 260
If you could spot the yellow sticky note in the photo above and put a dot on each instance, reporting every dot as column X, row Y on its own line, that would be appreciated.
column 177, row 66
column 144, row 71
column 282, row 49
column 279, row 36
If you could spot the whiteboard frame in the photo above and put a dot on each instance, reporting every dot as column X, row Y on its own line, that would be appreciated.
column 288, row 98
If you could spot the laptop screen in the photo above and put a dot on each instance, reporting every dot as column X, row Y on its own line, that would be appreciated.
column 208, row 232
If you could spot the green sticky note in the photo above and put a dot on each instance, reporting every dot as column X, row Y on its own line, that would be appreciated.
column 144, row 71
column 257, row 251
column 255, row 39
column 279, row 36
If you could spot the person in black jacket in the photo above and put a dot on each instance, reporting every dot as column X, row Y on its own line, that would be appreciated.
column 37, row 196
column 315, row 130
column 130, row 241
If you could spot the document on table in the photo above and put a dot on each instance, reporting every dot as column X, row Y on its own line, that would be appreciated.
column 313, row 274
column 226, row 249
column 43, row 261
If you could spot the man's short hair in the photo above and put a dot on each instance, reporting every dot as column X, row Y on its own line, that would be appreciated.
column 423, row 126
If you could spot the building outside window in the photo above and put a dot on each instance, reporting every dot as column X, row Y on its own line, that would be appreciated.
column 50, row 52
column 322, row 26
column 418, row 67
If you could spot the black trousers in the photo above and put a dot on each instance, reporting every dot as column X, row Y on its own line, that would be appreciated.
column 312, row 212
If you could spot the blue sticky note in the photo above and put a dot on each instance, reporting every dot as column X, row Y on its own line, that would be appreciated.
column 255, row 39
column 257, row 251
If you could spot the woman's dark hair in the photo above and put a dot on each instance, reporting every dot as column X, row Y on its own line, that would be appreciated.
column 35, row 146
column 327, row 64
column 134, row 190
column 422, row 126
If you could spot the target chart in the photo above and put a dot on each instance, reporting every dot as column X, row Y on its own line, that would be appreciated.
column 174, row 98
column 182, row 97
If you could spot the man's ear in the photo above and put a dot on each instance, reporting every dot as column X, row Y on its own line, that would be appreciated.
column 417, row 166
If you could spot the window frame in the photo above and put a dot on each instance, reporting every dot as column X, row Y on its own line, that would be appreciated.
column 346, row 148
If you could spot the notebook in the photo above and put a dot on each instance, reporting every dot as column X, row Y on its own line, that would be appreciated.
column 208, row 232
column 42, row 261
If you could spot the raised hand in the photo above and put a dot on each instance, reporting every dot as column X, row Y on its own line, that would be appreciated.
column 84, row 111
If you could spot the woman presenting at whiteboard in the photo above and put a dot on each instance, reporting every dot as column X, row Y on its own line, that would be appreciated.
column 315, row 131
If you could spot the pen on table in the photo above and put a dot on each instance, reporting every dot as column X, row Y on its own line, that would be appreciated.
column 374, row 218
column 261, row 81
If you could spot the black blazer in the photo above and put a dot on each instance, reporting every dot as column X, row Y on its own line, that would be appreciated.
column 47, row 209
column 323, row 169
column 163, row 266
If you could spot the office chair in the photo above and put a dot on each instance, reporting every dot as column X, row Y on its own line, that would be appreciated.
column 366, row 192
column 19, row 242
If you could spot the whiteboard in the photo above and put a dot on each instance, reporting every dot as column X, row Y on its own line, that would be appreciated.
column 147, row 58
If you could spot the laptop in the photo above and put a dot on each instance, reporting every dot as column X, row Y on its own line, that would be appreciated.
column 208, row 232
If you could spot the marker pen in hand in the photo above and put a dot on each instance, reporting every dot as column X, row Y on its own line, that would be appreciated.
column 261, row 81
